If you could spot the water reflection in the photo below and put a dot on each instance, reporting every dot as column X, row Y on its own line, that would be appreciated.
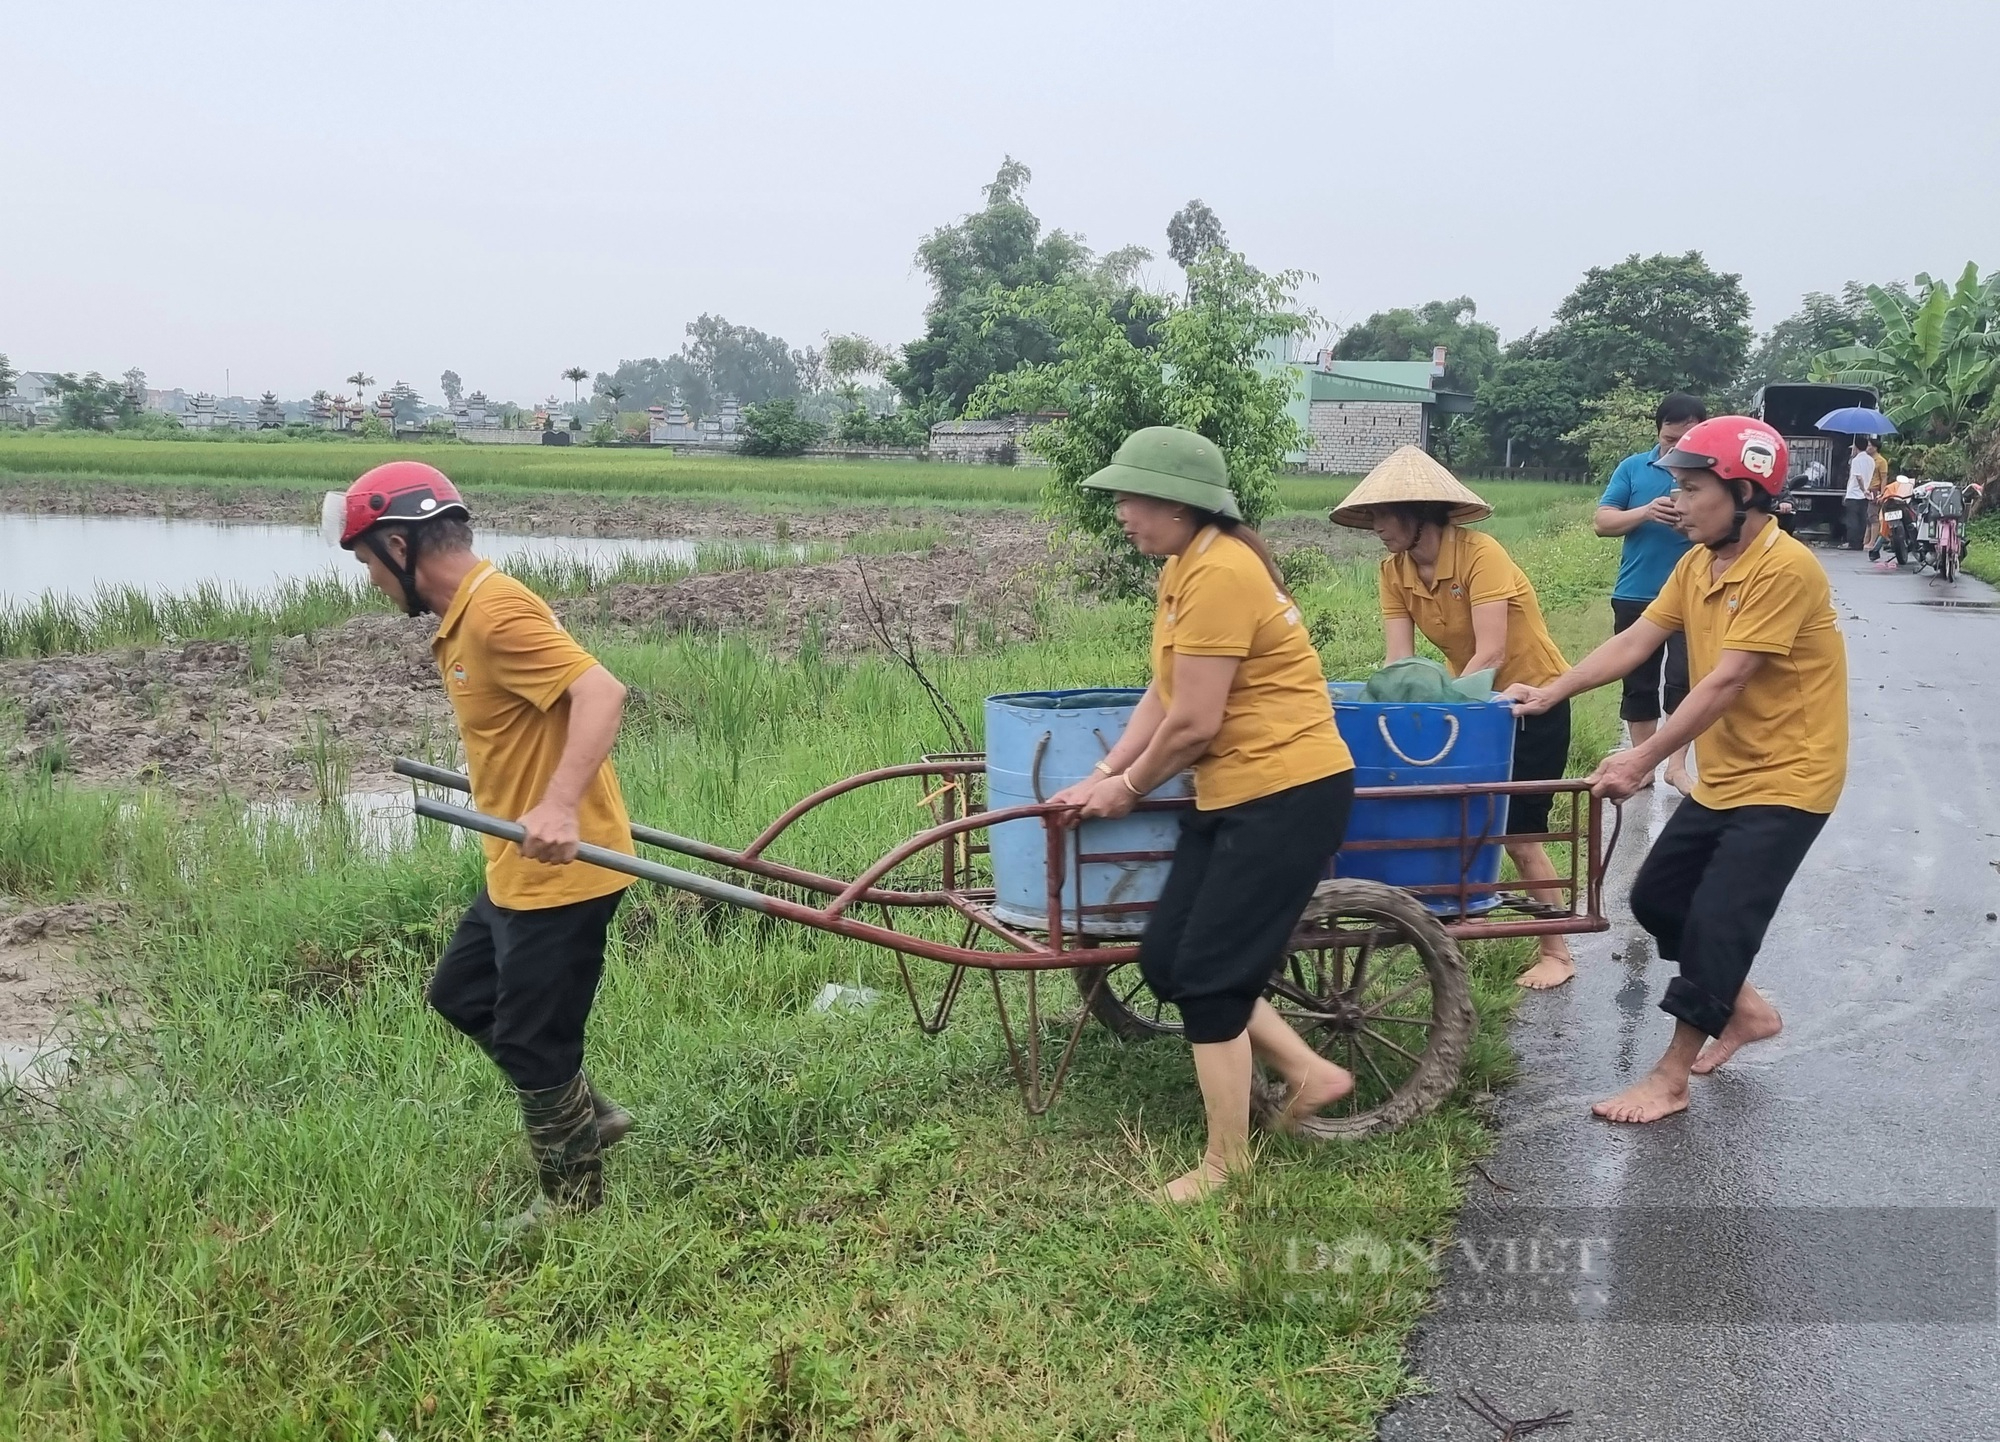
column 75, row 555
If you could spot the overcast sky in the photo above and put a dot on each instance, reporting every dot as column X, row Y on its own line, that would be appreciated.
column 287, row 192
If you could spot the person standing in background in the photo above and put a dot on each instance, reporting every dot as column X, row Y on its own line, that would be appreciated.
column 1638, row 504
column 1863, row 489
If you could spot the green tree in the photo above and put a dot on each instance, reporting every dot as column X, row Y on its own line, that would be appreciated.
column 1192, row 232
column 1821, row 323
column 1534, row 402
column 1617, row 425
column 360, row 380
column 1472, row 348
column 7, row 374
column 1937, row 364
column 775, row 428
column 453, row 388
column 1665, row 322
column 87, row 403
column 849, row 357
column 740, row 361
column 972, row 330
column 612, row 393
column 1205, row 367
column 576, row 376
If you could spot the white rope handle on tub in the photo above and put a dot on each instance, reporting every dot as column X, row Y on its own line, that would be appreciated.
column 1382, row 724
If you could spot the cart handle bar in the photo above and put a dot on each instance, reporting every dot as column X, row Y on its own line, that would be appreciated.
column 701, row 850
column 1038, row 959
column 602, row 856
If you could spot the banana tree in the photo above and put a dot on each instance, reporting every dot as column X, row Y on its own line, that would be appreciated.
column 1938, row 364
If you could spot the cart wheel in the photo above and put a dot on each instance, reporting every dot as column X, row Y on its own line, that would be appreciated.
column 1375, row 984
column 1372, row 982
column 1124, row 1004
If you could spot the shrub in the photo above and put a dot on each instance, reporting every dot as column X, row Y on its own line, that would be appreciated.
column 775, row 428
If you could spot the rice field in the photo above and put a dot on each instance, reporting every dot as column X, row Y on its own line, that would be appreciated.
column 286, row 464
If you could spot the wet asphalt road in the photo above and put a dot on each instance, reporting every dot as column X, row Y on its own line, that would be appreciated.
column 1884, row 1091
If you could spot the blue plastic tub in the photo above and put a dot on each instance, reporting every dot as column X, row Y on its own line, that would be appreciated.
column 1038, row 742
column 1410, row 744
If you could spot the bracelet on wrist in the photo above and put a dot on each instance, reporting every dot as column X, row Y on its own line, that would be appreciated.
column 1102, row 768
column 1126, row 777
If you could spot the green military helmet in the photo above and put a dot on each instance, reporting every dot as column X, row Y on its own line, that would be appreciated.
column 1171, row 464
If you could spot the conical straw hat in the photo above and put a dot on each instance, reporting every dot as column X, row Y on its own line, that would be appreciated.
column 1408, row 473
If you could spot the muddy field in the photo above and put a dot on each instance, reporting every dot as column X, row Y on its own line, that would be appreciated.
column 43, row 980
column 306, row 715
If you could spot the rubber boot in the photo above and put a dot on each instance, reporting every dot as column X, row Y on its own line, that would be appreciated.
column 613, row 1121
column 562, row 1137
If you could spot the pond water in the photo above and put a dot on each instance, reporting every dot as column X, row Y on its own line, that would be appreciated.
column 78, row 554
column 33, row 1066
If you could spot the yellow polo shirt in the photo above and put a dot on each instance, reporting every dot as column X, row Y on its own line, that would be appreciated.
column 1216, row 599
column 507, row 665
column 1473, row 569
column 1783, row 742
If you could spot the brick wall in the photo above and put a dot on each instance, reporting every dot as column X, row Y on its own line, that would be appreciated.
column 985, row 448
column 1349, row 437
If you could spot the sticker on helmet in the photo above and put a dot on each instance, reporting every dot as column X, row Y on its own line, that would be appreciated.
column 1760, row 457
column 428, row 503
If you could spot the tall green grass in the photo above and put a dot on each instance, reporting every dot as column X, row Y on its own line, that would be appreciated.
column 825, row 1226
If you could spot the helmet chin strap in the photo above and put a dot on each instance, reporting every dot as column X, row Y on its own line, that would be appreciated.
column 1742, row 515
column 405, row 571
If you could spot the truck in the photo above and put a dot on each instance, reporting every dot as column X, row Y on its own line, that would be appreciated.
column 1816, row 483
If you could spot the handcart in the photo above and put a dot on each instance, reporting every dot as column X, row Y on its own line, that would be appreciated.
column 1373, row 977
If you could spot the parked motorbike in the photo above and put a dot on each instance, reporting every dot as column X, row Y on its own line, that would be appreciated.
column 1939, row 510
column 1898, row 529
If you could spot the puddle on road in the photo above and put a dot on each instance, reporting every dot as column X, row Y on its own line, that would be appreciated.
column 1939, row 603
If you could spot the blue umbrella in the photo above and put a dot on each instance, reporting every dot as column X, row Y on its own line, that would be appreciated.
column 1857, row 421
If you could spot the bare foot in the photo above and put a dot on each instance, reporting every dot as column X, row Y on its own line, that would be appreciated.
column 1656, row 1095
column 1327, row 1085
column 1193, row 1186
column 1753, row 1020
column 1678, row 778
column 1549, row 973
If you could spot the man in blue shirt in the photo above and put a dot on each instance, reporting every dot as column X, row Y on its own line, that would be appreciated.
column 1638, row 504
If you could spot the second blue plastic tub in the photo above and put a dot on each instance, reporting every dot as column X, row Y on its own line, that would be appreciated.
column 1403, row 743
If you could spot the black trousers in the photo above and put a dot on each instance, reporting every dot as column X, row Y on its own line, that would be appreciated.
column 521, row 983
column 1241, row 878
column 1541, row 753
column 1658, row 684
column 1854, row 520
column 1707, row 892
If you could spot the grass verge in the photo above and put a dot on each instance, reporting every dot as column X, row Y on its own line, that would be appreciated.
column 826, row 1225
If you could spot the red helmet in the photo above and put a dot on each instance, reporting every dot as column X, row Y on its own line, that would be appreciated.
column 396, row 491
column 1736, row 448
